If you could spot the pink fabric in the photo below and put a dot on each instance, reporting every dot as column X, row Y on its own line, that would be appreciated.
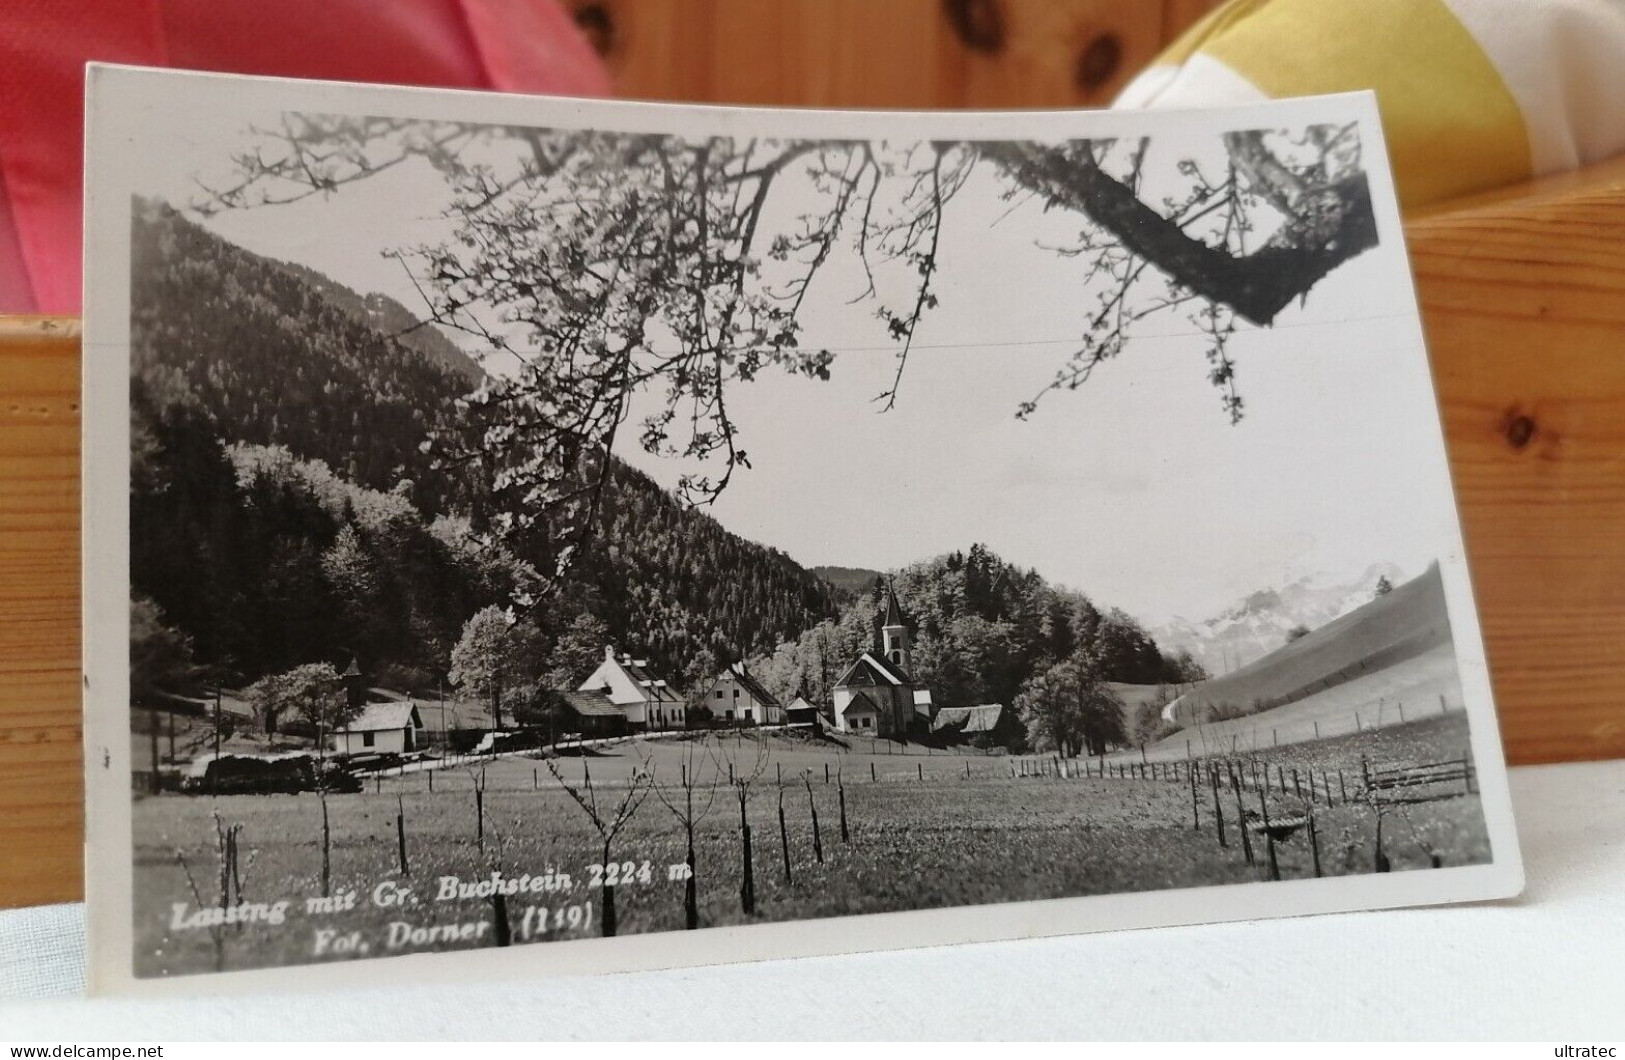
column 507, row 45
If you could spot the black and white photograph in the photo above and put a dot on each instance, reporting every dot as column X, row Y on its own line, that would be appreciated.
column 528, row 522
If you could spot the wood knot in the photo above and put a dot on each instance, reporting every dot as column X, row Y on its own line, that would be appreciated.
column 1519, row 429
column 597, row 25
column 978, row 24
column 1098, row 62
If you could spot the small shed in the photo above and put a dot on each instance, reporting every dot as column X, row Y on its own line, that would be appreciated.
column 591, row 714
column 801, row 712
column 380, row 728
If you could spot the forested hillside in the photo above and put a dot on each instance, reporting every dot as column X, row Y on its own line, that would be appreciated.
column 980, row 628
column 284, row 511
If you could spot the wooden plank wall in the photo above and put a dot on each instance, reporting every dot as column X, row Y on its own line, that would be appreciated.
column 881, row 53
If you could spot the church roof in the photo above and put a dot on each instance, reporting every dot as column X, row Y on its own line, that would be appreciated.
column 877, row 670
column 894, row 612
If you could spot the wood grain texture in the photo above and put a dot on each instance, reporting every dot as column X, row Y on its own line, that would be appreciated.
column 896, row 54
column 1523, row 297
column 41, row 815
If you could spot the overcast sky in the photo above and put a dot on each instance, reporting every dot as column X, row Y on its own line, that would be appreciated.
column 1135, row 489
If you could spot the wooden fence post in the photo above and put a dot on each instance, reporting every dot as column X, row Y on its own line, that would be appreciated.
column 1314, row 843
column 784, row 838
column 871, row 772
column 1342, row 788
column 1297, row 788
column 1218, row 811
column 327, row 848
column 747, row 878
column 919, row 767
column 400, row 832
column 818, row 842
column 1241, row 820
column 840, row 791
column 1196, row 813
column 1269, row 836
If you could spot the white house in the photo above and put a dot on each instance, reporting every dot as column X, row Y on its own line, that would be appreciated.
column 381, row 728
column 647, row 701
column 738, row 697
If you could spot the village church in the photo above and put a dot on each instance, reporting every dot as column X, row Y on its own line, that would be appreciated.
column 877, row 694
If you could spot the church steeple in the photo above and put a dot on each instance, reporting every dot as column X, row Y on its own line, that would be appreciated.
column 894, row 632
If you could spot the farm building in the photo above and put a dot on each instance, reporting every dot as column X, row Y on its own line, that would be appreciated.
column 989, row 721
column 876, row 694
column 801, row 712
column 647, row 702
column 392, row 727
column 592, row 714
column 736, row 696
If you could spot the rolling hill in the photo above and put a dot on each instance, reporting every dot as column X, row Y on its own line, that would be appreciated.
column 1405, row 624
column 1425, row 684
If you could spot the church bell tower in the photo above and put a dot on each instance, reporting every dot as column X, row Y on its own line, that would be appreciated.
column 894, row 633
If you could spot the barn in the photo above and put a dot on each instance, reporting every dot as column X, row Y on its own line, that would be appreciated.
column 990, row 722
column 392, row 727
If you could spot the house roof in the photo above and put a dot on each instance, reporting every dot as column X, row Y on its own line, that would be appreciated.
column 800, row 703
column 860, row 702
column 378, row 717
column 982, row 718
column 879, row 670
column 761, row 695
column 653, row 689
column 354, row 669
column 591, row 704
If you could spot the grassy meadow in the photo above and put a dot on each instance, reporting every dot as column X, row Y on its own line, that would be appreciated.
column 948, row 839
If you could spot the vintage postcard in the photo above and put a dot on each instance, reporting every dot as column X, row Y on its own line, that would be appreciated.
column 539, row 535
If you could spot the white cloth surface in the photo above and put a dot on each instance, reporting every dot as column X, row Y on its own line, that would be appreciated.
column 1549, row 966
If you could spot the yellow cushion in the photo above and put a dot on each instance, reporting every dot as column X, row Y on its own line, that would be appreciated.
column 1473, row 93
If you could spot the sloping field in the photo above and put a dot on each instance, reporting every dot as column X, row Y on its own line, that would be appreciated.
column 1407, row 691
column 1407, row 623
